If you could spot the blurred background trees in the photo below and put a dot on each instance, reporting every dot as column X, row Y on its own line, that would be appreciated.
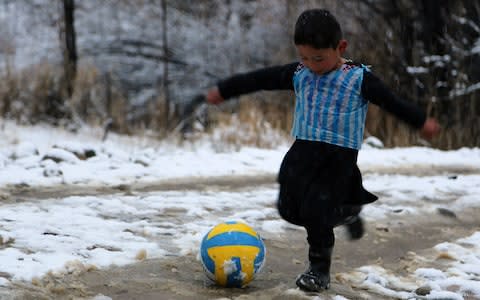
column 136, row 64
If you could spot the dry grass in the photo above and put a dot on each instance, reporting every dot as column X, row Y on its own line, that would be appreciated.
column 254, row 123
column 39, row 94
column 390, row 130
column 32, row 95
column 262, row 119
column 96, row 99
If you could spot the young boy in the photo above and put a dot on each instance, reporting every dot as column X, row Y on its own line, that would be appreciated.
column 320, row 183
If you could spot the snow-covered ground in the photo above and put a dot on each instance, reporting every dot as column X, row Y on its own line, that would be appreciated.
column 100, row 229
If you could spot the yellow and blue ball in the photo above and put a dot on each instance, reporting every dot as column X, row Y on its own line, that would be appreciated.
column 232, row 253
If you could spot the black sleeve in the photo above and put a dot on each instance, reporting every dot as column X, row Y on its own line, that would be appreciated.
column 375, row 91
column 271, row 78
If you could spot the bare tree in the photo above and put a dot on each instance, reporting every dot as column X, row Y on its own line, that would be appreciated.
column 424, row 50
column 70, row 51
column 165, row 83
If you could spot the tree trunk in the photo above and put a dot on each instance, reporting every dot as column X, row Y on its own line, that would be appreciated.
column 70, row 53
column 165, row 82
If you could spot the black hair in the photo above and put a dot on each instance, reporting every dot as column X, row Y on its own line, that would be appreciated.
column 317, row 28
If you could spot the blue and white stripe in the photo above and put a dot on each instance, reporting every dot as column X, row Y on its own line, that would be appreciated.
column 329, row 107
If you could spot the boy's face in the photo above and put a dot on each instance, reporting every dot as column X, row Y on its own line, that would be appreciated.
column 323, row 60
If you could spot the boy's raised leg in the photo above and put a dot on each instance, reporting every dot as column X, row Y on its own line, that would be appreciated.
column 355, row 228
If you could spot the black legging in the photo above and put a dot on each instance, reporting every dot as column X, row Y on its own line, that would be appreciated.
column 319, row 237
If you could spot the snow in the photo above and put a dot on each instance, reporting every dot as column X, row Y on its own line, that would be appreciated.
column 417, row 70
column 476, row 48
column 429, row 273
column 59, row 233
column 465, row 91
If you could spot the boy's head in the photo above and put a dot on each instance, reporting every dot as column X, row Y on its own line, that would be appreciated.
column 318, row 38
column 317, row 28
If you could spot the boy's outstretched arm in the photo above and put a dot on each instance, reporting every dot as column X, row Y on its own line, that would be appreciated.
column 271, row 78
column 375, row 91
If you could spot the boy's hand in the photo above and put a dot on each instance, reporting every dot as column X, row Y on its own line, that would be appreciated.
column 214, row 97
column 430, row 128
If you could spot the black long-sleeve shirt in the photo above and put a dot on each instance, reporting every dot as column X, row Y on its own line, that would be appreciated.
column 281, row 78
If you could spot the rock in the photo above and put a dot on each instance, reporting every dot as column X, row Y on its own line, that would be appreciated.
column 106, row 247
column 79, row 151
column 296, row 261
column 141, row 255
column 382, row 228
column 52, row 172
column 4, row 196
column 142, row 161
column 50, row 168
column 423, row 290
column 123, row 187
column 60, row 155
column 90, row 153
column 6, row 240
column 446, row 212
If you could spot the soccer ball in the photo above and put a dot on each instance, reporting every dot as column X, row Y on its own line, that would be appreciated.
column 232, row 253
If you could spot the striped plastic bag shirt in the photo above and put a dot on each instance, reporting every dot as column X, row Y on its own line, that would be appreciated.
column 329, row 107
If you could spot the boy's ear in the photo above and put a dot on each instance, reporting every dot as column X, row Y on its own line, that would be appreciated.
column 342, row 46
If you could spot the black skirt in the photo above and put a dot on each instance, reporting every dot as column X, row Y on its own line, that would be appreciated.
column 320, row 184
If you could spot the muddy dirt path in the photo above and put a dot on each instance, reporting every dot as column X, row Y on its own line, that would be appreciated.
column 388, row 243
column 23, row 192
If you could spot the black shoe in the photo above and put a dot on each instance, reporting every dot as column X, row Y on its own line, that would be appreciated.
column 317, row 276
column 312, row 281
column 355, row 228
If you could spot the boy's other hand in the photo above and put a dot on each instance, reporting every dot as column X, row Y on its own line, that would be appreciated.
column 430, row 128
column 214, row 97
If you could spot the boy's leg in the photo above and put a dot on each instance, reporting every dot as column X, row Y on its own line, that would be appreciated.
column 348, row 215
column 355, row 228
column 321, row 240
